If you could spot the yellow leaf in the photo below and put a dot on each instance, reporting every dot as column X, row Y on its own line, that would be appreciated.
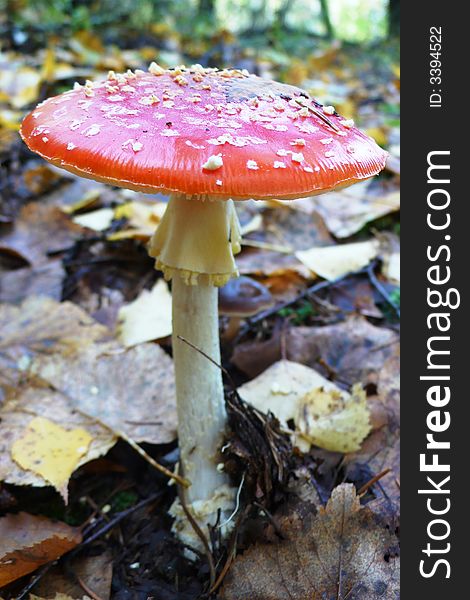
column 51, row 451
column 334, row 420
column 99, row 219
column 148, row 318
column 142, row 218
column 331, row 262
column 323, row 414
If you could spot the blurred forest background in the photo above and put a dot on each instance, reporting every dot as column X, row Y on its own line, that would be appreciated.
column 334, row 48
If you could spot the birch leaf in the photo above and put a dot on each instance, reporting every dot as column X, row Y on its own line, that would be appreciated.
column 51, row 451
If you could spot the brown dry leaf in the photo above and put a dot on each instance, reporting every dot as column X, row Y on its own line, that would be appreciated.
column 322, row 414
column 29, row 402
column 43, row 280
column 351, row 351
column 347, row 211
column 147, row 318
column 287, row 230
column 51, row 451
column 332, row 262
column 382, row 449
column 131, row 391
column 95, row 572
column 338, row 554
column 57, row 596
column 41, row 325
column 28, row 541
column 38, row 231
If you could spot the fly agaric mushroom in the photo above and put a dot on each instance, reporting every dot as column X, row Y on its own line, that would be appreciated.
column 206, row 137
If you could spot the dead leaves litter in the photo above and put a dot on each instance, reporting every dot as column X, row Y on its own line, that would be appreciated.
column 60, row 364
column 28, row 541
column 341, row 553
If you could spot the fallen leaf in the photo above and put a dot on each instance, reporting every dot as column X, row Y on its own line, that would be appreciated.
column 41, row 325
column 31, row 401
column 28, row 541
column 131, row 391
column 322, row 414
column 340, row 553
column 98, row 220
column 332, row 262
column 334, row 420
column 350, row 351
column 147, row 318
column 142, row 219
column 42, row 280
column 57, row 596
column 391, row 267
column 40, row 230
column 347, row 211
column 19, row 85
column 284, row 229
column 95, row 572
column 51, row 451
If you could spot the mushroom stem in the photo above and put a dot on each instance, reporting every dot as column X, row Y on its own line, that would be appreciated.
column 194, row 246
column 199, row 389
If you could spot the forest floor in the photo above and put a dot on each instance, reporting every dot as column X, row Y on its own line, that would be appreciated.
column 81, row 348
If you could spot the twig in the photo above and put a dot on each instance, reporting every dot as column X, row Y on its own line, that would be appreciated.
column 35, row 580
column 86, row 589
column 232, row 551
column 308, row 292
column 133, row 444
column 372, row 481
column 200, row 534
column 320, row 115
column 115, row 520
column 223, row 369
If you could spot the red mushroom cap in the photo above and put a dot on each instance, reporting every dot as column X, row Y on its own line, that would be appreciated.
column 201, row 132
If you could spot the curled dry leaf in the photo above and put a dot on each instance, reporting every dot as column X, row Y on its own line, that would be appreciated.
column 334, row 420
column 51, row 451
column 323, row 414
column 332, row 262
column 340, row 553
column 28, row 541
column 147, row 318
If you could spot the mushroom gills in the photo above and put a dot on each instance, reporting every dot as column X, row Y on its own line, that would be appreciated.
column 197, row 238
